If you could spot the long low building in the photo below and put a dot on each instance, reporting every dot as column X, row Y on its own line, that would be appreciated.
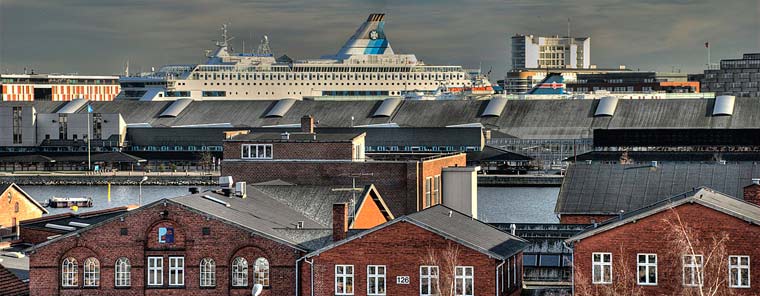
column 547, row 130
column 524, row 119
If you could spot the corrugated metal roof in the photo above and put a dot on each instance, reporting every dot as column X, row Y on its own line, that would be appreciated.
column 527, row 119
column 609, row 188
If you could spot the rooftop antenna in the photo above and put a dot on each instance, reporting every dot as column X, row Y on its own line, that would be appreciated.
column 264, row 48
column 353, row 189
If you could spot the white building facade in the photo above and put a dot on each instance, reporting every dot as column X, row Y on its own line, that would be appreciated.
column 530, row 52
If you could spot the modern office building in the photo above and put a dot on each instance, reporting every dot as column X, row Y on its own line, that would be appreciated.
column 56, row 87
column 737, row 77
column 530, row 51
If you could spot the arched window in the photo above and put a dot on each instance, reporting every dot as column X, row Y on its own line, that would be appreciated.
column 122, row 272
column 91, row 268
column 261, row 271
column 240, row 272
column 15, row 208
column 69, row 273
column 208, row 272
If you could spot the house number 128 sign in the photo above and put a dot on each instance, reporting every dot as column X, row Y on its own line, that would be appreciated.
column 402, row 280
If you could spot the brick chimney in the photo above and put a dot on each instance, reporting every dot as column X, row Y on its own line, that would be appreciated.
column 307, row 124
column 752, row 192
column 339, row 221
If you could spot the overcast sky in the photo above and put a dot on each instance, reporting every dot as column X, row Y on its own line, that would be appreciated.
column 98, row 36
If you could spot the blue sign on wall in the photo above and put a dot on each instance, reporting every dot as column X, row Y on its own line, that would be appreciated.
column 166, row 235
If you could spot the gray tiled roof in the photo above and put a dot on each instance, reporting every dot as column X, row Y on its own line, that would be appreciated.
column 315, row 202
column 599, row 188
column 457, row 227
column 261, row 213
column 296, row 137
column 528, row 119
column 462, row 228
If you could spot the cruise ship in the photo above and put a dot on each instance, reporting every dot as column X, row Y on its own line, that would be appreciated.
column 366, row 66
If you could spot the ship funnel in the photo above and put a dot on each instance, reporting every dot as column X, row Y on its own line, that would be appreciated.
column 368, row 39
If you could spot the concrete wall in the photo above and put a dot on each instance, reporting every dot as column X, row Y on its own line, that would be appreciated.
column 28, row 130
column 48, row 124
column 460, row 189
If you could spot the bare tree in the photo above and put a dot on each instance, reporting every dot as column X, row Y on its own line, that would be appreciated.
column 683, row 243
column 446, row 259
column 206, row 160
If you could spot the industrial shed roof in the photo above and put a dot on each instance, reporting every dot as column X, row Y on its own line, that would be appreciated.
column 606, row 189
column 528, row 119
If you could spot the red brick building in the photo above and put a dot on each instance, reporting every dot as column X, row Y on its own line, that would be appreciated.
column 701, row 239
column 309, row 158
column 436, row 248
column 16, row 206
column 208, row 243
column 12, row 285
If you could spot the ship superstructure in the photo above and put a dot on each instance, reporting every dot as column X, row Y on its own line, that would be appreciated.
column 366, row 66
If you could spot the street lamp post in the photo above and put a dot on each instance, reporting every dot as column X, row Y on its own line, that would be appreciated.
column 144, row 178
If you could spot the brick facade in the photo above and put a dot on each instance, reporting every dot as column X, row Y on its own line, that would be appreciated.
column 653, row 235
column 752, row 194
column 16, row 206
column 106, row 243
column 296, row 150
column 584, row 219
column 401, row 182
column 402, row 248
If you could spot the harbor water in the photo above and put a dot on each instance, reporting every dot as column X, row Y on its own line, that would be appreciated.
column 495, row 204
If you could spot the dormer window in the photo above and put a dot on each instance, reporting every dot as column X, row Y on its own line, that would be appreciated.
column 256, row 151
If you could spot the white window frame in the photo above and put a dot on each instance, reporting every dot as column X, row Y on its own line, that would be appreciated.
column 698, row 267
column 343, row 278
column 176, row 271
column 155, row 271
column 253, row 151
column 261, row 271
column 91, row 272
column 603, row 265
column 375, row 276
column 122, row 272
column 69, row 273
column 436, row 189
column 239, row 272
column 647, row 266
column 207, row 273
column 461, row 276
column 736, row 282
column 431, row 279
column 428, row 191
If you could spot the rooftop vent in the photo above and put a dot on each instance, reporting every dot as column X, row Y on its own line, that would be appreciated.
column 225, row 182
column 495, row 107
column 78, row 224
column 60, row 227
column 72, row 106
column 176, row 108
column 194, row 190
column 285, row 136
column 724, row 106
column 240, row 189
column 654, row 164
column 280, row 108
column 216, row 200
column 299, row 225
column 387, row 107
column 606, row 106
column 756, row 181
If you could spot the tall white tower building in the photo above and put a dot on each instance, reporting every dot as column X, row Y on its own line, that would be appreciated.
column 531, row 52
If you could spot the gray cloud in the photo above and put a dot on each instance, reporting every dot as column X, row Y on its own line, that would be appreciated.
column 97, row 36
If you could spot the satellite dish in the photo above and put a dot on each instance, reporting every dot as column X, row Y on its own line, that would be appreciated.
column 257, row 288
